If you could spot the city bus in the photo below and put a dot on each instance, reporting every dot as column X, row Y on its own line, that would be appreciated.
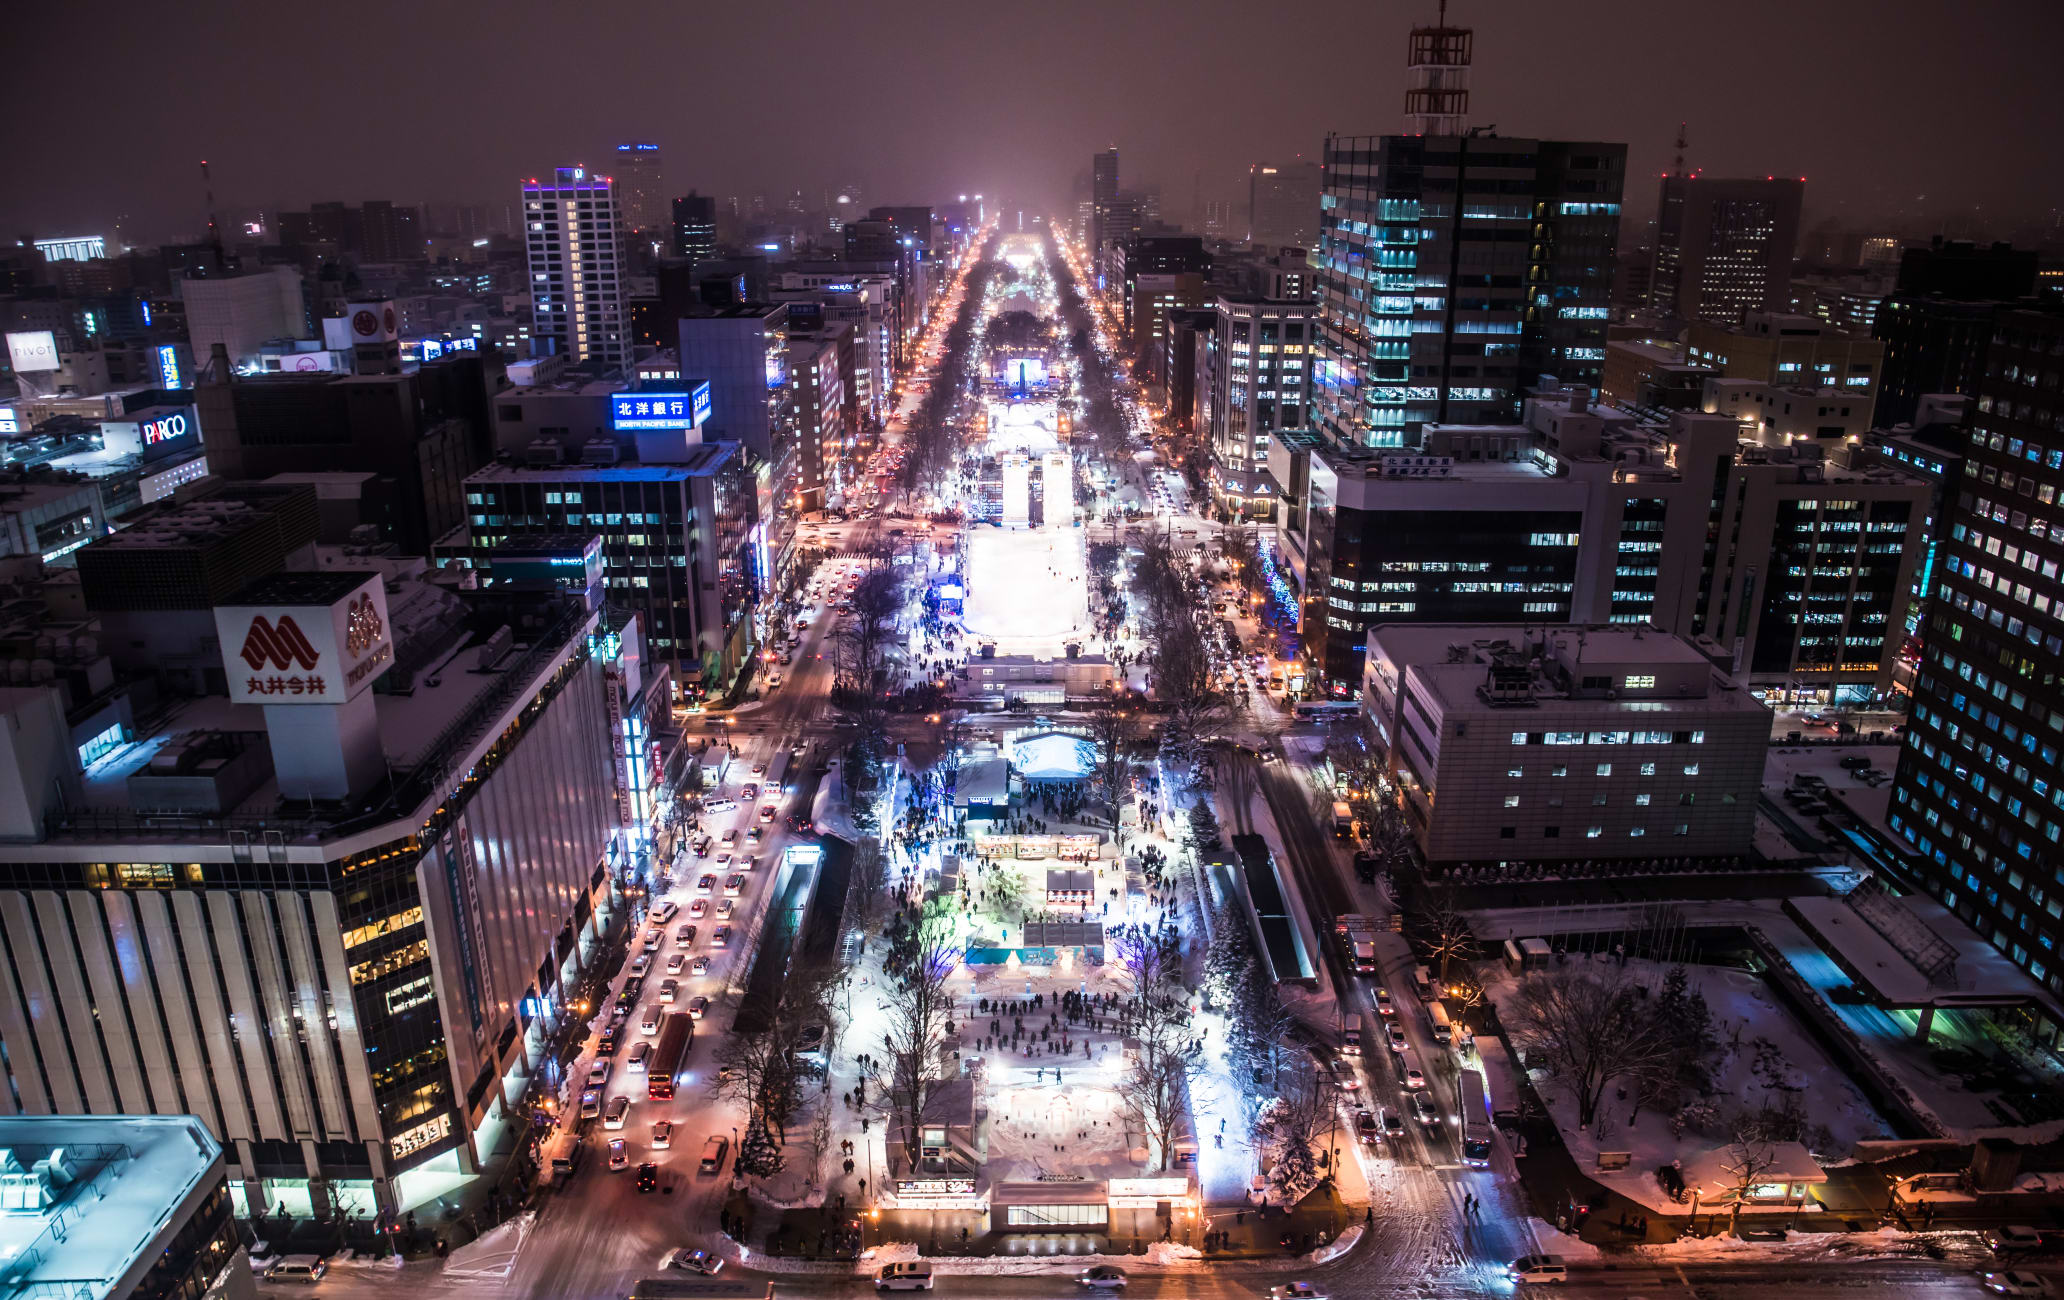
column 674, row 1038
column 1476, row 1120
column 1326, row 710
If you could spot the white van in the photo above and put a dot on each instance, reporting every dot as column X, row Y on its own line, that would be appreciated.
column 306, row 1269
column 1546, row 1269
column 904, row 1277
column 1437, row 1020
column 713, row 1150
column 614, row 1114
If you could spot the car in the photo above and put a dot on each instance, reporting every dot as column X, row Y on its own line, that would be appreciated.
column 612, row 1038
column 619, row 1154
column 734, row 885
column 1391, row 1121
column 723, row 860
column 1425, row 1111
column 2013, row 1238
column 2015, row 1282
column 649, row 1022
column 755, row 835
column 746, row 864
column 722, row 938
column 916, row 1276
column 308, row 1269
column 700, row 966
column 615, row 1112
column 724, row 908
column 598, row 1074
column 665, row 911
column 1366, row 1129
column 1104, row 1277
column 591, row 1103
column 669, row 990
column 760, row 768
column 1396, row 1033
column 698, row 908
column 694, row 1261
column 1344, row 1076
column 676, row 963
column 705, row 883
column 749, row 792
column 1413, row 1077
column 1296, row 1291
column 713, row 1149
column 654, row 939
column 702, row 847
column 636, row 1061
column 648, row 1177
column 773, row 681
column 719, row 806
column 1548, row 1269
column 698, row 1007
column 1384, row 1005
column 731, row 838
column 766, row 812
column 1351, row 1041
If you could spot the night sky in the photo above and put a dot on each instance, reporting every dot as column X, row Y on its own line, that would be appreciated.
column 1895, row 110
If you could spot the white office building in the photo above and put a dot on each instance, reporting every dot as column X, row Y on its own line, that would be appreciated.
column 1530, row 744
column 571, row 228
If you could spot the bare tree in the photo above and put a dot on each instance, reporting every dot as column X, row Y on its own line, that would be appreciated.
column 1112, row 740
column 1751, row 1155
column 868, row 880
column 1589, row 1029
column 923, row 954
column 1155, row 1086
column 1444, row 930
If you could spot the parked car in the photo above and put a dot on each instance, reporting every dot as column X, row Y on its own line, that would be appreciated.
column 2015, row 1282
column 306, row 1269
column 598, row 1074
column 641, row 963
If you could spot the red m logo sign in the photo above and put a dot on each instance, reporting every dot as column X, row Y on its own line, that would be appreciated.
column 281, row 644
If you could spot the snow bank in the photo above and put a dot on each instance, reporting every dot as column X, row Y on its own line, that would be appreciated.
column 1554, row 1241
column 1171, row 1252
column 891, row 1252
column 1337, row 1247
column 1885, row 1243
column 493, row 1254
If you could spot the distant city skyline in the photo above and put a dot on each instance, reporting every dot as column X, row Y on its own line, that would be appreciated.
column 1893, row 115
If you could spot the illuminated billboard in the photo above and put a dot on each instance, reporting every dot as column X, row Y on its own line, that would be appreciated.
column 660, row 410
column 31, row 351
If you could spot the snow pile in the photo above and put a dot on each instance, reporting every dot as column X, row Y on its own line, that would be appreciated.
column 493, row 1254
column 1339, row 1246
column 892, row 1252
column 1885, row 1243
column 1554, row 1241
column 1170, row 1252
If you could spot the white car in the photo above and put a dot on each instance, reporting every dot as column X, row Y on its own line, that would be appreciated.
column 1545, row 1269
column 663, row 1135
column 1413, row 1077
column 724, row 908
column 2016, row 1283
column 698, row 1007
column 1104, row 1277
column 598, row 1074
column 676, row 963
column 1296, row 1291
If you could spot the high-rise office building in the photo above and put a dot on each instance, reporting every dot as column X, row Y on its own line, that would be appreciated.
column 695, row 227
column 1283, row 203
column 1724, row 247
column 571, row 226
column 1102, row 194
column 1255, row 383
column 641, row 188
column 1442, row 311
column 1977, row 792
column 1939, row 319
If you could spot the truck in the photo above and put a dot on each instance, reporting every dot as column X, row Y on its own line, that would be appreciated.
column 1343, row 819
column 1357, row 933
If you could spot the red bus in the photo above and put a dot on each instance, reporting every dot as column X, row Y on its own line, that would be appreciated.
column 674, row 1038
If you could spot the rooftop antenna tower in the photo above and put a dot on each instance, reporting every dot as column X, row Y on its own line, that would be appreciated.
column 1437, row 98
column 1677, row 167
column 214, row 230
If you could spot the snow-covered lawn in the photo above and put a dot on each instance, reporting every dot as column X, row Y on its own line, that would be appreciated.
column 1028, row 590
column 1766, row 1060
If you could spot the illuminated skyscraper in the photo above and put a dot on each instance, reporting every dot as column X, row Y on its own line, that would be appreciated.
column 571, row 229
column 641, row 190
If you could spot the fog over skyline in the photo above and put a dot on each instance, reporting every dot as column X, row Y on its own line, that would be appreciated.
column 1894, row 110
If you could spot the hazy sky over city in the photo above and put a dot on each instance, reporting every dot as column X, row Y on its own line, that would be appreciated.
column 1886, row 106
